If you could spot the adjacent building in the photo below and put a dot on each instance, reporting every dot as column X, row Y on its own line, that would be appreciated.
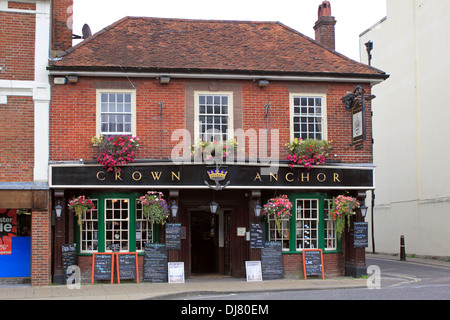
column 31, row 31
column 410, row 118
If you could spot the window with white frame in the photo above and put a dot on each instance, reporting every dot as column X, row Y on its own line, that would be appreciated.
column 308, row 117
column 89, row 229
column 282, row 235
column 307, row 224
column 144, row 229
column 116, row 224
column 329, row 228
column 213, row 116
column 116, row 112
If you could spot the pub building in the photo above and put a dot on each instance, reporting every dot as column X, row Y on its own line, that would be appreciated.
column 173, row 82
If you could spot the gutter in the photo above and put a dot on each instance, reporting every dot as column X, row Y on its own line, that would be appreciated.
column 218, row 74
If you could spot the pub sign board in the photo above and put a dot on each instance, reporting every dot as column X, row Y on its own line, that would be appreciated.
column 358, row 122
column 239, row 176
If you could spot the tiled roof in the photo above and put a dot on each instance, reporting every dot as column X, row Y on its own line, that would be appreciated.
column 154, row 44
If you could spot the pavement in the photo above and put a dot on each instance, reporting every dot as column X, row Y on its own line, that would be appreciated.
column 193, row 286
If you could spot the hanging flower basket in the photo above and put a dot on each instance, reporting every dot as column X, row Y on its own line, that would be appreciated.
column 277, row 208
column 308, row 152
column 156, row 210
column 343, row 207
column 79, row 206
column 115, row 151
column 207, row 150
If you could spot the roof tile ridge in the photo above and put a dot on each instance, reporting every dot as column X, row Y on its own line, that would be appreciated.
column 196, row 20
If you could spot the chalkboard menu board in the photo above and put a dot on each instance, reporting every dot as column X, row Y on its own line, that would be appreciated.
column 312, row 262
column 69, row 257
column 257, row 235
column 103, row 266
column 272, row 261
column 173, row 236
column 155, row 262
column 361, row 235
column 127, row 266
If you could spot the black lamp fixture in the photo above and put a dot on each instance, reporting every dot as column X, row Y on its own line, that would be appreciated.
column 58, row 210
column 257, row 209
column 174, row 209
column 363, row 209
column 213, row 206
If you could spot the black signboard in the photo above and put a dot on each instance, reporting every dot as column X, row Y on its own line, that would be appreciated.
column 155, row 262
column 257, row 235
column 127, row 266
column 313, row 262
column 272, row 261
column 361, row 235
column 173, row 236
column 103, row 266
column 69, row 257
column 170, row 175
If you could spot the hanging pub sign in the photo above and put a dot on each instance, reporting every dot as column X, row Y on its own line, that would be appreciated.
column 358, row 122
column 356, row 103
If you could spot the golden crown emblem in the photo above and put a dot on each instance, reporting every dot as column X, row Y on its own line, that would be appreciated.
column 217, row 175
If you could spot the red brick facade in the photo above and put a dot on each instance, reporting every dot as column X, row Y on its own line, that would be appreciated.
column 62, row 11
column 17, row 44
column 294, row 64
column 74, row 106
column 17, row 132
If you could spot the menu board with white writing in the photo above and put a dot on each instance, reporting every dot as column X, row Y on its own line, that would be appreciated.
column 103, row 266
column 155, row 262
column 257, row 235
column 272, row 261
column 313, row 262
column 173, row 236
column 127, row 266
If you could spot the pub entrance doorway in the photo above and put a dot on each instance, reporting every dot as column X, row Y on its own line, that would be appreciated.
column 204, row 243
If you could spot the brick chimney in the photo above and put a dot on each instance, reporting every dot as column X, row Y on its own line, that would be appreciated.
column 324, row 26
column 62, row 19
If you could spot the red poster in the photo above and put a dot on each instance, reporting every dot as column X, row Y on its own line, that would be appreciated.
column 8, row 229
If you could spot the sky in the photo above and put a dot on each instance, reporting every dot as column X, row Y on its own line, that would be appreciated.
column 353, row 16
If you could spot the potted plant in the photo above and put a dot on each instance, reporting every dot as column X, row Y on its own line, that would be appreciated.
column 80, row 205
column 342, row 208
column 207, row 150
column 155, row 208
column 115, row 150
column 308, row 152
column 277, row 208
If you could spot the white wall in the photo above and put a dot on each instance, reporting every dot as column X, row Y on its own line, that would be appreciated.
column 411, row 126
